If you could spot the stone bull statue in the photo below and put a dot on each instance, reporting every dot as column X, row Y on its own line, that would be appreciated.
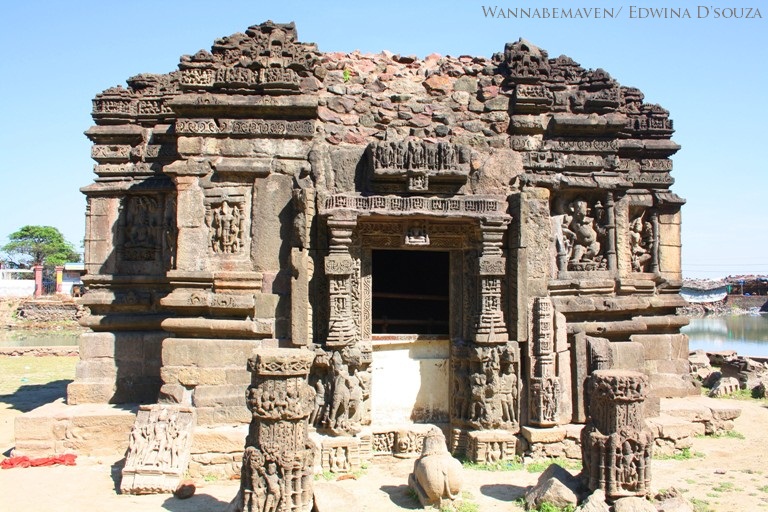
column 437, row 476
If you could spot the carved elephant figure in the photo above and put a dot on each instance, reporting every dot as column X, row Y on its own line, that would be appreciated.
column 437, row 476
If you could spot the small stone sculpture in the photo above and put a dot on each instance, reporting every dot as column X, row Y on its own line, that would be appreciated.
column 437, row 477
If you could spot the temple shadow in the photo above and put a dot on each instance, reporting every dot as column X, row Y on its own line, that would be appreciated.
column 32, row 396
column 116, row 471
column 198, row 503
column 503, row 492
column 400, row 496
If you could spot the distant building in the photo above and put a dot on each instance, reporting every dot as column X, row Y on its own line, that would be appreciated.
column 704, row 291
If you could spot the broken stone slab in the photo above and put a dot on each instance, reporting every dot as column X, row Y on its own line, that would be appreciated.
column 669, row 427
column 725, row 386
column 633, row 504
column 595, row 502
column 543, row 435
column 724, row 411
column 331, row 498
column 686, row 409
column 158, row 449
column 556, row 486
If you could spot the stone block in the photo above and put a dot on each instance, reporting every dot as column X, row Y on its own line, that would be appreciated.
column 87, row 430
column 218, row 396
column 573, row 431
column 724, row 411
column 33, row 428
column 332, row 498
column 672, row 385
column 490, row 446
column 90, row 392
column 340, row 454
column 627, row 355
column 97, row 344
column 543, row 435
column 208, row 353
column 220, row 438
column 686, row 409
column 223, row 415
column 675, row 428
column 655, row 346
column 95, row 370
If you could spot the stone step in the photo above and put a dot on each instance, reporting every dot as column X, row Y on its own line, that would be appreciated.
column 87, row 430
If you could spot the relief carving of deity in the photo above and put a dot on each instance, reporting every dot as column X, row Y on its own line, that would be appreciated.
column 579, row 231
column 226, row 224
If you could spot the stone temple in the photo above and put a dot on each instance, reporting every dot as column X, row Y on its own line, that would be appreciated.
column 459, row 242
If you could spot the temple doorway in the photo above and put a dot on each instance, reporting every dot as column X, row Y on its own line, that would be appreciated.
column 410, row 292
column 410, row 331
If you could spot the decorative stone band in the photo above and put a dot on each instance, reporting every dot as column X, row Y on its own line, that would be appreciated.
column 395, row 205
column 619, row 385
column 284, row 362
column 257, row 127
column 492, row 265
column 339, row 265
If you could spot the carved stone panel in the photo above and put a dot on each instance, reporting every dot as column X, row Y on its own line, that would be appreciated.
column 158, row 449
column 643, row 240
column 581, row 230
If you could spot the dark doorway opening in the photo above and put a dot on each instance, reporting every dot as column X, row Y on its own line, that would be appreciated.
column 410, row 292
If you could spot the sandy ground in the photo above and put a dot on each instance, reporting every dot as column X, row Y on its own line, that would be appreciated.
column 725, row 474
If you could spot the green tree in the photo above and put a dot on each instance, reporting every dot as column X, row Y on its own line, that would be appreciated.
column 40, row 245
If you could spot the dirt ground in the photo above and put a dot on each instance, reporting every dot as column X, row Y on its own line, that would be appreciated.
column 724, row 474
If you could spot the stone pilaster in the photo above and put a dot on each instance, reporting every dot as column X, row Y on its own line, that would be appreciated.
column 491, row 327
column 278, row 459
column 545, row 385
column 616, row 443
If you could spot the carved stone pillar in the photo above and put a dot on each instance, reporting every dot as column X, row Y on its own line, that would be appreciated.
column 339, row 267
column 491, row 327
column 610, row 227
column 545, row 385
column 278, row 459
column 616, row 443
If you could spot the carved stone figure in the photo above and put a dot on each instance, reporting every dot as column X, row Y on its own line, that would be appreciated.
column 437, row 477
column 641, row 242
column 158, row 449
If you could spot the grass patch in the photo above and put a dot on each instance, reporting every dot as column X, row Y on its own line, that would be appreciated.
column 763, row 488
column 539, row 466
column 502, row 465
column 19, row 371
column 326, row 475
column 685, row 454
column 701, row 505
column 724, row 487
column 728, row 434
column 548, row 507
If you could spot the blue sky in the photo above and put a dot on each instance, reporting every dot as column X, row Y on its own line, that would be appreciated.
column 708, row 72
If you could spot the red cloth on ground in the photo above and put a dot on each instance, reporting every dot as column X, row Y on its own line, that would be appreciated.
column 68, row 459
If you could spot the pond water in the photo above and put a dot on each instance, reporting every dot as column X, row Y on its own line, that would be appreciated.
column 38, row 338
column 746, row 334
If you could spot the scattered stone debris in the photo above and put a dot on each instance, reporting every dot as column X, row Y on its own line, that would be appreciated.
column 556, row 486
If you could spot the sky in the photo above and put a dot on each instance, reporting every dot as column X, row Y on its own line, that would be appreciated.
column 709, row 71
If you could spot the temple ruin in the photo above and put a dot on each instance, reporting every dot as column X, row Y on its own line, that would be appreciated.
column 458, row 242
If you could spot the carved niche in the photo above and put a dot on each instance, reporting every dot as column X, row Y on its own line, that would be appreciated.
column 643, row 242
column 583, row 227
column 148, row 228
column 228, row 218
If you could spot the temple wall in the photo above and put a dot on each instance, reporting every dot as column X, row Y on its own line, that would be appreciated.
column 237, row 201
